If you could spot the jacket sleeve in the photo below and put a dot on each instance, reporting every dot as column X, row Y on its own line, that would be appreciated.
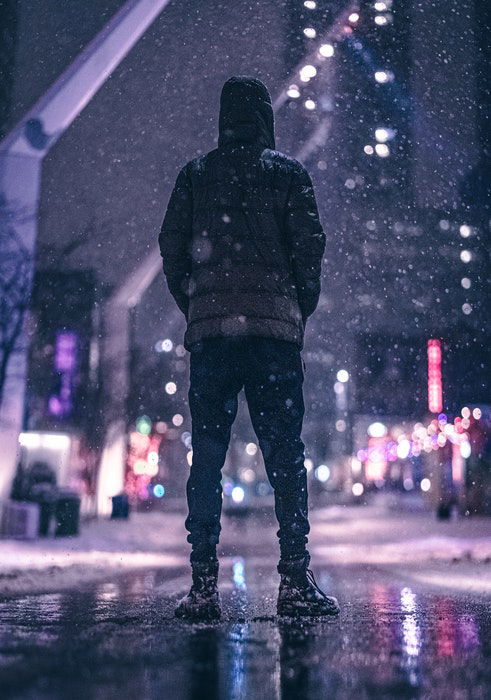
column 175, row 238
column 306, row 240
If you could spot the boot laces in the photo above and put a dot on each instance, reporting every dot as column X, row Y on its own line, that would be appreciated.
column 311, row 579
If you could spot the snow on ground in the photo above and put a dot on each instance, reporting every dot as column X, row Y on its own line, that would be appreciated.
column 339, row 535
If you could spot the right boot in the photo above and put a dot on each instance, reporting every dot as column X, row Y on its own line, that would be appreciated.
column 203, row 600
column 299, row 595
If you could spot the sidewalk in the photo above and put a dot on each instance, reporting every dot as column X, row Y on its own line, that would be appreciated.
column 339, row 535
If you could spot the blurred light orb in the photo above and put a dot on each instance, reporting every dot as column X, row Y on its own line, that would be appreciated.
column 382, row 134
column 322, row 472
column 342, row 376
column 308, row 464
column 307, row 72
column 167, row 345
column 382, row 76
column 338, row 388
column 465, row 412
column 158, row 490
column 403, row 449
column 354, row 17
column 161, row 427
column 465, row 231
column 476, row 413
column 180, row 350
column 368, row 150
column 248, row 475
column 465, row 449
column 189, row 458
column 377, row 429
column 355, row 465
column 144, row 425
column 467, row 309
column 466, row 283
column 382, row 150
column 170, row 388
column 425, row 485
column 177, row 419
column 357, row 489
column 293, row 91
column 381, row 20
column 326, row 50
column 310, row 4
column 309, row 104
column 238, row 494
column 340, row 426
column 380, row 6
column 153, row 457
column 310, row 32
column 465, row 256
column 408, row 484
column 251, row 448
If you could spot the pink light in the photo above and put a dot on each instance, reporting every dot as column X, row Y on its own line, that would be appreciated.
column 435, row 391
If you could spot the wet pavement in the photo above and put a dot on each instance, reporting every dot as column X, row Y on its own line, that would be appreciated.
column 394, row 639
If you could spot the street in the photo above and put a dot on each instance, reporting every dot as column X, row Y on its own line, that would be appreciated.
column 416, row 626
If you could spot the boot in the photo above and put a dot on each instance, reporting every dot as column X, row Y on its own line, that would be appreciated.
column 299, row 594
column 203, row 600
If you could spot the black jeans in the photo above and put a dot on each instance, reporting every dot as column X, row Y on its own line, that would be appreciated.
column 270, row 371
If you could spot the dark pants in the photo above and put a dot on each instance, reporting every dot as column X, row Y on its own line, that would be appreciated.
column 270, row 371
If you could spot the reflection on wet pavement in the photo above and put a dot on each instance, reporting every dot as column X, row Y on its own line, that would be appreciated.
column 120, row 639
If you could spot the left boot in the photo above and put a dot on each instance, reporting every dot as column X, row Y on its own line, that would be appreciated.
column 299, row 594
column 203, row 600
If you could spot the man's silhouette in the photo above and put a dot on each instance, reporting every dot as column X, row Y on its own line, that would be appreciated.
column 242, row 247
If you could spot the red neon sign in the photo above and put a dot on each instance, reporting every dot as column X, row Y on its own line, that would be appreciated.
column 435, row 391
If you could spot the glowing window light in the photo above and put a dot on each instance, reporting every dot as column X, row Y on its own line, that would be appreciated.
column 466, row 283
column 310, row 32
column 357, row 489
column 170, row 388
column 382, row 150
column 435, row 391
column 326, row 50
column 342, row 376
column 309, row 104
column 307, row 72
column 465, row 256
column 238, row 494
column 425, row 485
column 293, row 91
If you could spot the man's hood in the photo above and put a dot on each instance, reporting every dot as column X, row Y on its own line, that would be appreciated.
column 246, row 113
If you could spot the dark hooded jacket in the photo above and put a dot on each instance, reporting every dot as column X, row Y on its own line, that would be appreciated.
column 241, row 239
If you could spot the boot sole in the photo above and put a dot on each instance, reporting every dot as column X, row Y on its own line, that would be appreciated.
column 207, row 613
column 296, row 611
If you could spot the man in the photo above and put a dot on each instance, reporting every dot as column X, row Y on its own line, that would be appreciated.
column 242, row 247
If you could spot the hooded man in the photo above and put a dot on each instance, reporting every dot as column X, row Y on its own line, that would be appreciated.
column 242, row 246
